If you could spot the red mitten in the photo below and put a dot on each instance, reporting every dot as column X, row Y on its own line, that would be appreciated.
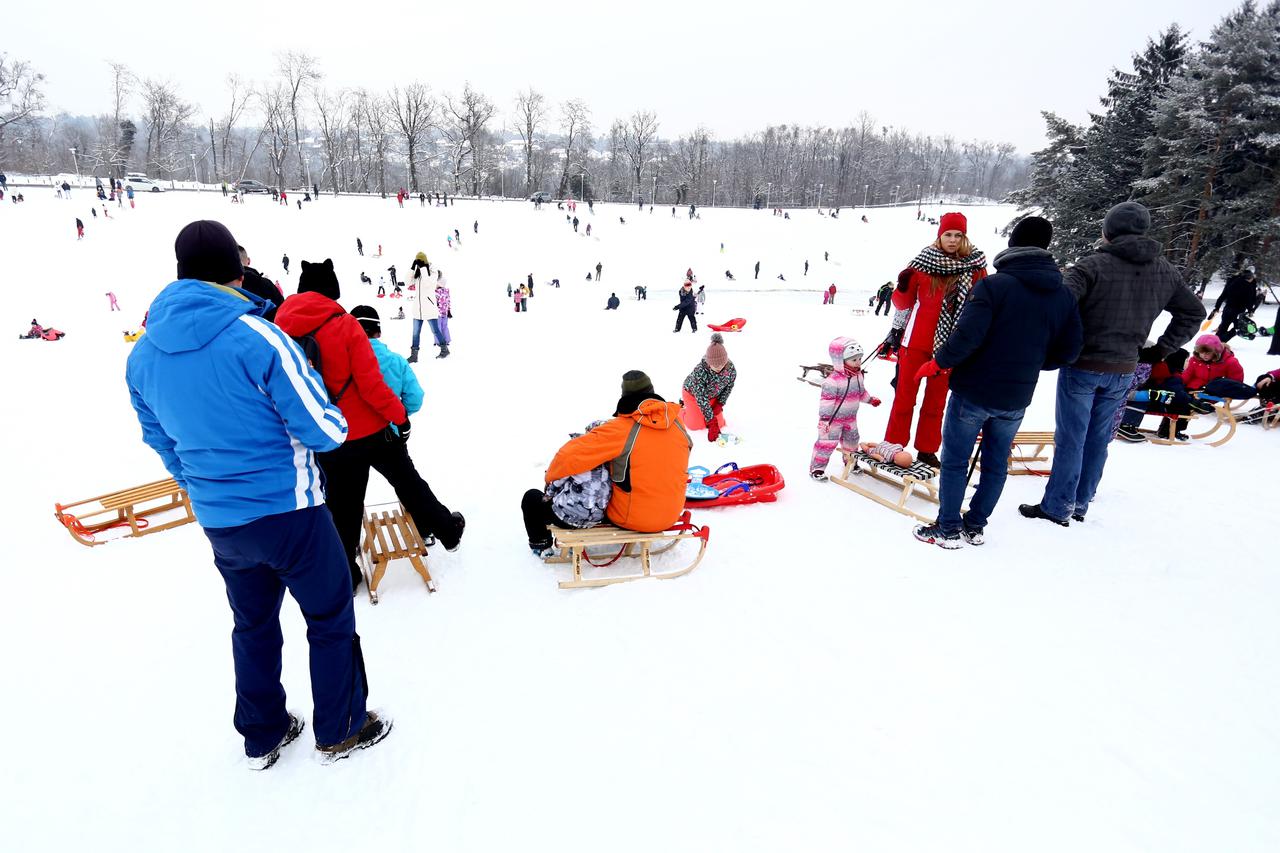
column 874, row 401
column 929, row 369
column 713, row 430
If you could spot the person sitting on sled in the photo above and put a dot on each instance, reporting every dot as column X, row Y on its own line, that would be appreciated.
column 648, row 479
column 842, row 391
column 38, row 331
column 707, row 388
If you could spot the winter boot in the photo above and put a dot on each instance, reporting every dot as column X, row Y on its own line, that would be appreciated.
column 1034, row 511
column 444, row 351
column 462, row 525
column 1130, row 434
column 930, row 459
column 934, row 535
column 413, row 356
column 376, row 727
column 265, row 762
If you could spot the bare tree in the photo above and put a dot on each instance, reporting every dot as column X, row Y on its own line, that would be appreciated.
column 332, row 112
column 638, row 134
column 166, row 115
column 575, row 121
column 274, row 101
column 298, row 70
column 467, row 117
column 378, row 114
column 531, row 112
column 20, row 95
column 412, row 108
column 235, row 109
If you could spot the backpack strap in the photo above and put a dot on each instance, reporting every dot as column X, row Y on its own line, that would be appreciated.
column 618, row 466
column 334, row 398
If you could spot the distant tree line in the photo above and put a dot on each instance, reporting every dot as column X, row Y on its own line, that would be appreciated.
column 292, row 130
column 1192, row 132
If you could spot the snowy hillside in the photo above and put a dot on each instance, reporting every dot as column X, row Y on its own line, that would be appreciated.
column 821, row 682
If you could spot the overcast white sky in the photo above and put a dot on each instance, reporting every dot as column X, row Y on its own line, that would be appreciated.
column 978, row 69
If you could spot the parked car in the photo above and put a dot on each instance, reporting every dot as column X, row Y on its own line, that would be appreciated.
column 542, row 196
column 141, row 183
column 248, row 186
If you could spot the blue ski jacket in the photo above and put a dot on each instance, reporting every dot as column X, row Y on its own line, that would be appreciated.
column 230, row 404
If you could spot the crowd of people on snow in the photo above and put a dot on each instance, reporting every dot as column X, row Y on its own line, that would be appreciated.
column 326, row 402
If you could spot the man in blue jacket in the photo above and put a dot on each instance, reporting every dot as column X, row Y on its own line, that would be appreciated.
column 1017, row 322
column 237, row 416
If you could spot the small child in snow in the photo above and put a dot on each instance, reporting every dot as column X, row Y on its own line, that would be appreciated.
column 364, row 279
column 115, row 305
column 842, row 391
column 1214, row 369
column 79, row 229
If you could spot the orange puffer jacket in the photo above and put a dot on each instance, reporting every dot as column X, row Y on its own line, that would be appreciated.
column 651, row 496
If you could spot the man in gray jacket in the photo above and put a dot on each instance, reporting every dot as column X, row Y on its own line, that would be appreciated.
column 1121, row 288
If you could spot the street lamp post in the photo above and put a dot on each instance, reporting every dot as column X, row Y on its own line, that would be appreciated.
column 653, row 196
column 77, row 162
column 306, row 160
column 768, row 196
column 865, row 188
column 713, row 192
column 819, row 196
column 194, row 179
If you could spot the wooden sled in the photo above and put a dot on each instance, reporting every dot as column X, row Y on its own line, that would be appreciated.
column 806, row 369
column 1223, row 418
column 1020, row 459
column 573, row 545
column 391, row 535
column 914, row 482
column 128, row 508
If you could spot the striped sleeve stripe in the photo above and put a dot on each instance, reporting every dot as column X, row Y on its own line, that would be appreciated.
column 327, row 416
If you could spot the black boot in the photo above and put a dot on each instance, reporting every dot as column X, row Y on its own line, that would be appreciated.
column 413, row 356
column 444, row 351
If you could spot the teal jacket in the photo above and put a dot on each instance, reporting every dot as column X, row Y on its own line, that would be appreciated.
column 399, row 376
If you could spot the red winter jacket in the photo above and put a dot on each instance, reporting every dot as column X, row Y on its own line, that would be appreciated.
column 368, row 404
column 1200, row 373
column 927, row 303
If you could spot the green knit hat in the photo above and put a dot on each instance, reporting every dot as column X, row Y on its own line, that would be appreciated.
column 635, row 382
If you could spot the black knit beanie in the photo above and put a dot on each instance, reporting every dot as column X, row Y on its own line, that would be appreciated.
column 369, row 319
column 319, row 278
column 207, row 252
column 1032, row 231
column 1127, row 217
column 636, row 381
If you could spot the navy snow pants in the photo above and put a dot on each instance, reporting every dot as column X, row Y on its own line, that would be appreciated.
column 299, row 551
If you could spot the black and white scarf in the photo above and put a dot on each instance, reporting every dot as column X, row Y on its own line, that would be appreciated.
column 933, row 261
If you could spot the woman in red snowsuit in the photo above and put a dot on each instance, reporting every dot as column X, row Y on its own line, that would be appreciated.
column 930, row 295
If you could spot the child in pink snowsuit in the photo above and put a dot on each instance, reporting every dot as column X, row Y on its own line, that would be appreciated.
column 842, row 391
column 115, row 306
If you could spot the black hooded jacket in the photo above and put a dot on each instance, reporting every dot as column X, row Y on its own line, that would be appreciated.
column 1016, row 323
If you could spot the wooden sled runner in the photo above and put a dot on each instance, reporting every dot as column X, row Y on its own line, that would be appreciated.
column 1022, row 459
column 912, row 485
column 1223, row 418
column 573, row 545
column 391, row 535
column 128, row 508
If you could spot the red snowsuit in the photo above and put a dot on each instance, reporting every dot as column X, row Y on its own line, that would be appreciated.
column 917, row 348
column 1198, row 374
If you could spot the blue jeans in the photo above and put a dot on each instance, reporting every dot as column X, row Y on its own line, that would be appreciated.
column 960, row 430
column 417, row 332
column 1087, row 404
column 299, row 551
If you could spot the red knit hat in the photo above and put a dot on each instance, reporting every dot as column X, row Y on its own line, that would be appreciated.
column 953, row 222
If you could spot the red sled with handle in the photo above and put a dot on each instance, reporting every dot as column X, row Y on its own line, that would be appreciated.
column 731, row 485
column 734, row 325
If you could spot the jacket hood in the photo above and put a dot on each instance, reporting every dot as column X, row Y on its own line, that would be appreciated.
column 655, row 414
column 836, row 352
column 1132, row 248
column 303, row 312
column 1032, row 266
column 189, row 313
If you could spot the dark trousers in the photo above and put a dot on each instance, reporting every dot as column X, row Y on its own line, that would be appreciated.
column 299, row 551
column 882, row 303
column 1274, row 349
column 680, row 317
column 1229, row 389
column 537, row 516
column 1228, row 328
column 346, row 472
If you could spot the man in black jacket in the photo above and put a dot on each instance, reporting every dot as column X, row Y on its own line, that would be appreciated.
column 1240, row 294
column 1121, row 288
column 257, row 284
column 687, row 306
column 1016, row 323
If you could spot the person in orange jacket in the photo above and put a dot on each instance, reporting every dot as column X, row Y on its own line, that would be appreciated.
column 931, row 292
column 648, row 482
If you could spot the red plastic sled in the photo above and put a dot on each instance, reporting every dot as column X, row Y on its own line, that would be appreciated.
column 734, row 325
column 753, row 484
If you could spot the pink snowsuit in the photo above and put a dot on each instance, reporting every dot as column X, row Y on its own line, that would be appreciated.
column 838, row 409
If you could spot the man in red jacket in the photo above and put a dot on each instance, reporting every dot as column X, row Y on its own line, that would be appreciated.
column 354, row 382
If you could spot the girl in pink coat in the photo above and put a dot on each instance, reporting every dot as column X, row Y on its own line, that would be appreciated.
column 842, row 391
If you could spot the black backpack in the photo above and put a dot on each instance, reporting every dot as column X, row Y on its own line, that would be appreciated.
column 311, row 349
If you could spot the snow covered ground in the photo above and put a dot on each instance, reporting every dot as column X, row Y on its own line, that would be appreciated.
column 821, row 682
